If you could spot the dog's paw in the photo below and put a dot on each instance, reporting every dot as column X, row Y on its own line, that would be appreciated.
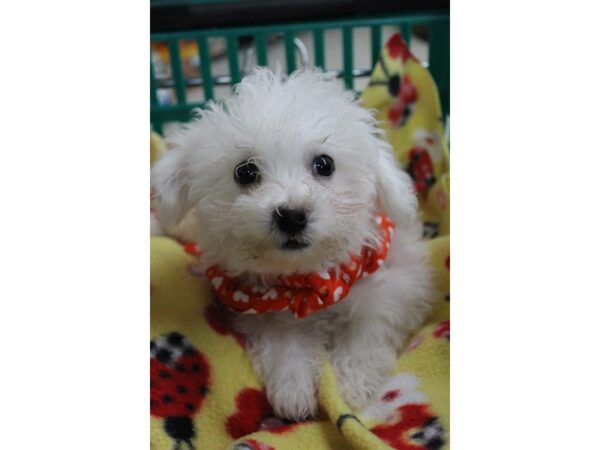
column 293, row 397
column 294, row 406
column 361, row 376
column 357, row 389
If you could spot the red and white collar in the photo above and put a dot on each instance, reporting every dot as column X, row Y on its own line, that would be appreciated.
column 303, row 294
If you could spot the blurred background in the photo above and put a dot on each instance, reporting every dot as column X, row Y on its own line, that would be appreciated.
column 201, row 48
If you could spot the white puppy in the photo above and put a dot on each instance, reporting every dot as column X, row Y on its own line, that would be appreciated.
column 285, row 177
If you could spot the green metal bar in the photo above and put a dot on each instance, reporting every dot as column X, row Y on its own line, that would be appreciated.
column 406, row 29
column 153, row 96
column 348, row 60
column 375, row 43
column 172, row 113
column 433, row 17
column 290, row 51
column 177, row 71
column 157, row 124
column 439, row 51
column 319, row 48
column 260, row 41
column 232, row 54
column 207, row 80
column 439, row 61
column 177, row 109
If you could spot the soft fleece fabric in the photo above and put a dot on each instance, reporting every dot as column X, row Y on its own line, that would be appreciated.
column 204, row 393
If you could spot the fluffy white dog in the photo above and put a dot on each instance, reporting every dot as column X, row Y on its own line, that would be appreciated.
column 285, row 177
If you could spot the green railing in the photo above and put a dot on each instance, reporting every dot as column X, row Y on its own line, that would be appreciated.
column 438, row 26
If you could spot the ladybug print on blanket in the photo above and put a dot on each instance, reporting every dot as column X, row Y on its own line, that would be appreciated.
column 403, row 416
column 179, row 379
column 405, row 93
column 414, row 429
column 400, row 86
column 420, row 169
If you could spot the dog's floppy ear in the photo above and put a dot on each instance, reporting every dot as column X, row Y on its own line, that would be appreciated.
column 170, row 185
column 395, row 190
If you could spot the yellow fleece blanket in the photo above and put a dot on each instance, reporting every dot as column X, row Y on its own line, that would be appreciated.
column 204, row 393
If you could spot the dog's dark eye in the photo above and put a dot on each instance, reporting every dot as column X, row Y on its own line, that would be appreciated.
column 246, row 173
column 323, row 165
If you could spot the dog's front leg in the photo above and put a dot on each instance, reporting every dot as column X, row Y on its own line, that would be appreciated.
column 286, row 353
column 375, row 320
column 362, row 356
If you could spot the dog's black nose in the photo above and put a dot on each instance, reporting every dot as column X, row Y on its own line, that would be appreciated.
column 290, row 221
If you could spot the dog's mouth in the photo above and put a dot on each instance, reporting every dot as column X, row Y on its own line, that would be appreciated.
column 293, row 244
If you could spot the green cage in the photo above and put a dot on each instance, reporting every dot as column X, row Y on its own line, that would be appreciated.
column 436, row 24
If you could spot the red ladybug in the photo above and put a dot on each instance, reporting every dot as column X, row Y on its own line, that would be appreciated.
column 179, row 380
column 401, row 88
column 420, row 168
column 406, row 95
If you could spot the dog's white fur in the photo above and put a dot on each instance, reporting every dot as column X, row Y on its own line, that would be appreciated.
column 282, row 124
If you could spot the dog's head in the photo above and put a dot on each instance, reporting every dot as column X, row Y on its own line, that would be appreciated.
column 285, row 176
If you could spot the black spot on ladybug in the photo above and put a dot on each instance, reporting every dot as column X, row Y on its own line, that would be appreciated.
column 164, row 374
column 175, row 339
column 189, row 351
column 180, row 428
column 181, row 389
column 431, row 435
column 435, row 443
column 430, row 230
column 167, row 399
column 180, row 367
column 202, row 390
column 189, row 407
column 420, row 168
column 164, row 355
column 195, row 367
column 394, row 85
